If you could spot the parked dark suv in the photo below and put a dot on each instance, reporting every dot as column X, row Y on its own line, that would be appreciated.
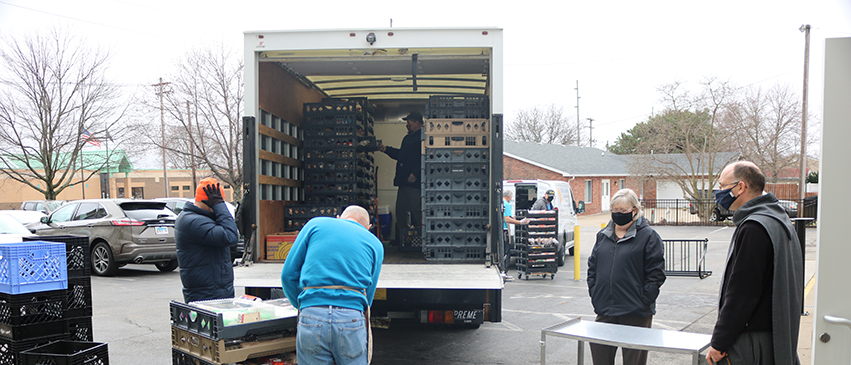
column 719, row 214
column 120, row 231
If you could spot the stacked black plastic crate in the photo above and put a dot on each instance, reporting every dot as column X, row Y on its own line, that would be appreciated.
column 338, row 143
column 455, row 177
column 40, row 311
column 537, row 243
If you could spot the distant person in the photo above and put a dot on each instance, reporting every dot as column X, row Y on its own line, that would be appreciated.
column 203, row 234
column 626, row 269
column 545, row 202
column 759, row 306
column 330, row 275
column 408, row 170
column 507, row 218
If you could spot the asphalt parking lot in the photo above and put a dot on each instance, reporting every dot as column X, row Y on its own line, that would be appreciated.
column 131, row 312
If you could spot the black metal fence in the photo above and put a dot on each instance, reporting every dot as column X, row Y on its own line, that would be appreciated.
column 704, row 212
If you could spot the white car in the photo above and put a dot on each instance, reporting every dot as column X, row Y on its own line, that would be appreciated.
column 24, row 216
column 11, row 230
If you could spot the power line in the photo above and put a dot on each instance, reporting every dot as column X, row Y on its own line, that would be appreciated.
column 87, row 21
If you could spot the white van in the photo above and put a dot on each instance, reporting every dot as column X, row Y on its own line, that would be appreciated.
column 526, row 192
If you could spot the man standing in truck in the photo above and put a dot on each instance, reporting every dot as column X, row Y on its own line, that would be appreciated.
column 408, row 170
column 330, row 275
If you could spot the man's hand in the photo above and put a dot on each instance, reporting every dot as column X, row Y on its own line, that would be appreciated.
column 525, row 221
column 214, row 195
column 412, row 178
column 381, row 147
column 714, row 356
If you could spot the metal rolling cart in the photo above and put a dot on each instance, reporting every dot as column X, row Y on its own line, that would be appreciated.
column 537, row 244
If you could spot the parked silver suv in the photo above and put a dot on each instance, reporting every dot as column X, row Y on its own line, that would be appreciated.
column 120, row 231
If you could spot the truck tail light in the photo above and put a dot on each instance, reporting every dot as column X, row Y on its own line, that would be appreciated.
column 447, row 317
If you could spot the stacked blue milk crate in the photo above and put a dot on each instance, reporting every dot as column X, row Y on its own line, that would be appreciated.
column 338, row 163
column 456, row 160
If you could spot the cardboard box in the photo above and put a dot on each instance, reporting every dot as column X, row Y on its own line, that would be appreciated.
column 278, row 245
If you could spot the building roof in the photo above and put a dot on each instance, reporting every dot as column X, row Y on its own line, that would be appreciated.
column 568, row 160
column 94, row 159
column 589, row 161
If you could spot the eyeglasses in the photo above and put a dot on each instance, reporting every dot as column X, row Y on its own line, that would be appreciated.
column 629, row 210
column 722, row 186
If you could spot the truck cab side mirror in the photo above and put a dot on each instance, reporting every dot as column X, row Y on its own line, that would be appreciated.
column 580, row 207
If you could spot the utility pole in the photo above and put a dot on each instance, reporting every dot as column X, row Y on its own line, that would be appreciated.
column 590, row 132
column 191, row 147
column 160, row 93
column 578, row 128
column 802, row 190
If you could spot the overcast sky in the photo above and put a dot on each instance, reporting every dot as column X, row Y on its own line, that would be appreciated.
column 618, row 51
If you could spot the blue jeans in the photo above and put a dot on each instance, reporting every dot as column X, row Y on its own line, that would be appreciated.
column 328, row 335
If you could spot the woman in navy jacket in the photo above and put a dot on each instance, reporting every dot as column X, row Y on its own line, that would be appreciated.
column 625, row 272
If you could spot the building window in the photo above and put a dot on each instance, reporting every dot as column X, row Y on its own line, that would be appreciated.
column 175, row 188
column 138, row 192
column 587, row 191
column 622, row 184
column 120, row 192
column 185, row 187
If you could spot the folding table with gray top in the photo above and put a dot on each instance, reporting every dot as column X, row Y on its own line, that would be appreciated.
column 625, row 336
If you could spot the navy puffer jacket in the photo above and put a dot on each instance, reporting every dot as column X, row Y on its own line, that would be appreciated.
column 203, row 252
column 624, row 276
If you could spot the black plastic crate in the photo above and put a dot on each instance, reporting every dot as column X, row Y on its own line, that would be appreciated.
column 458, row 183
column 330, row 153
column 459, row 112
column 10, row 350
column 330, row 176
column 295, row 224
column 330, row 142
column 457, row 126
column 67, row 352
column 457, row 101
column 453, row 253
column 456, row 155
column 314, row 189
column 31, row 308
column 77, row 252
column 80, row 329
column 78, row 302
column 332, row 107
column 313, row 131
column 325, row 166
column 445, row 225
column 455, row 211
column 470, row 169
column 455, row 239
column 337, row 199
column 310, row 211
column 411, row 241
column 181, row 358
column 455, row 197
column 212, row 325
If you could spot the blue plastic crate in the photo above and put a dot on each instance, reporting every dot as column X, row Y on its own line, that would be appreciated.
column 35, row 266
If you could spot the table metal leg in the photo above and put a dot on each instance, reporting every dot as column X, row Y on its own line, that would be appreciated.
column 543, row 348
column 695, row 359
column 580, row 353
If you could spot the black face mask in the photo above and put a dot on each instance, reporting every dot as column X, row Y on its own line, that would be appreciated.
column 622, row 219
column 550, row 198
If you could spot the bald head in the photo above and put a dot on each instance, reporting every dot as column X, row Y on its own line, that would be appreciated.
column 357, row 214
column 748, row 172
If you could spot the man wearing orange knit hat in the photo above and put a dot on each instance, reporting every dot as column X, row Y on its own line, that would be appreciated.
column 204, row 233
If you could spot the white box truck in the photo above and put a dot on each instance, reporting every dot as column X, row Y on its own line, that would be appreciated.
column 397, row 70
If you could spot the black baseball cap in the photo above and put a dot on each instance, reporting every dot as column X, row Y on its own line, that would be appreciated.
column 550, row 192
column 414, row 116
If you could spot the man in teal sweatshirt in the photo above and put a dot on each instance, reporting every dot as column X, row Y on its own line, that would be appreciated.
column 330, row 275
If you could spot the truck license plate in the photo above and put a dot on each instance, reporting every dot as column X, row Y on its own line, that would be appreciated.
column 471, row 316
column 162, row 230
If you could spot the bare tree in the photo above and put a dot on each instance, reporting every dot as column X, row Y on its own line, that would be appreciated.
column 687, row 145
column 537, row 124
column 765, row 125
column 209, row 133
column 55, row 96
